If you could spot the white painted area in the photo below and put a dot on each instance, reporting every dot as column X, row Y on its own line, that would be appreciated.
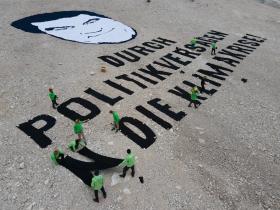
column 116, row 179
column 87, row 29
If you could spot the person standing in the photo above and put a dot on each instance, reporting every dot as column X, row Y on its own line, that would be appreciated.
column 128, row 163
column 194, row 94
column 53, row 98
column 213, row 47
column 79, row 129
column 97, row 183
column 203, row 83
column 116, row 118
column 193, row 42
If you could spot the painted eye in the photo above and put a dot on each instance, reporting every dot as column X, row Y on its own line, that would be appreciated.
column 59, row 28
column 93, row 20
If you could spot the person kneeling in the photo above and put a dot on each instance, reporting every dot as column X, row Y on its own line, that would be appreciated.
column 76, row 145
column 116, row 119
column 57, row 155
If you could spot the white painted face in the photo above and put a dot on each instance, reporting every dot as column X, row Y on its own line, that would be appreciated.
column 87, row 29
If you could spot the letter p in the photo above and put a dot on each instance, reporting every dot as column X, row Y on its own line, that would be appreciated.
column 37, row 134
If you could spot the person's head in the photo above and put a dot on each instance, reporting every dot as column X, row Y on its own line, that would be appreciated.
column 128, row 151
column 50, row 90
column 111, row 112
column 77, row 121
column 56, row 151
column 77, row 26
column 96, row 172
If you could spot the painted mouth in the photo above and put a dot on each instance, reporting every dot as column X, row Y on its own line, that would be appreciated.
column 101, row 33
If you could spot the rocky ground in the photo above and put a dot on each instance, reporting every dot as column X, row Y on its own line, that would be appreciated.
column 224, row 155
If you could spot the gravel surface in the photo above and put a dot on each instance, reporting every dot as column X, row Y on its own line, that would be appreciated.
column 224, row 155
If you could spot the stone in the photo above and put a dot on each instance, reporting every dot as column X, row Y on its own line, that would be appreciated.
column 30, row 207
column 178, row 187
column 46, row 181
column 201, row 141
column 126, row 191
column 21, row 165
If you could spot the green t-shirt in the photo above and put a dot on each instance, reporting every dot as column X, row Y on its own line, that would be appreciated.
column 97, row 182
column 74, row 146
column 129, row 160
column 193, row 41
column 52, row 96
column 194, row 94
column 116, row 117
column 213, row 45
column 78, row 128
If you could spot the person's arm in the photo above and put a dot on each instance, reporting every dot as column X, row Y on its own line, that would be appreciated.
column 124, row 163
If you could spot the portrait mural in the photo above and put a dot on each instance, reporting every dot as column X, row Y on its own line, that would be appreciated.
column 78, row 26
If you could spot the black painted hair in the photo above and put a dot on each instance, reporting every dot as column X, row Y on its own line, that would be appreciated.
column 128, row 151
column 96, row 173
column 25, row 23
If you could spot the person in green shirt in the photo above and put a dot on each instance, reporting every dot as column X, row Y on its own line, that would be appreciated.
column 193, row 42
column 57, row 155
column 116, row 119
column 79, row 129
column 77, row 144
column 194, row 94
column 53, row 98
column 213, row 47
column 128, row 163
column 97, row 183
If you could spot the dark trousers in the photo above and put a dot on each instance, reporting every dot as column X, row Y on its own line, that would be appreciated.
column 213, row 51
column 60, row 158
column 202, row 88
column 96, row 193
column 125, row 169
column 54, row 103
column 193, row 102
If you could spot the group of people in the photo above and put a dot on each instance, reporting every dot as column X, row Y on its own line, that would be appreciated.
column 213, row 45
column 97, row 182
column 194, row 91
